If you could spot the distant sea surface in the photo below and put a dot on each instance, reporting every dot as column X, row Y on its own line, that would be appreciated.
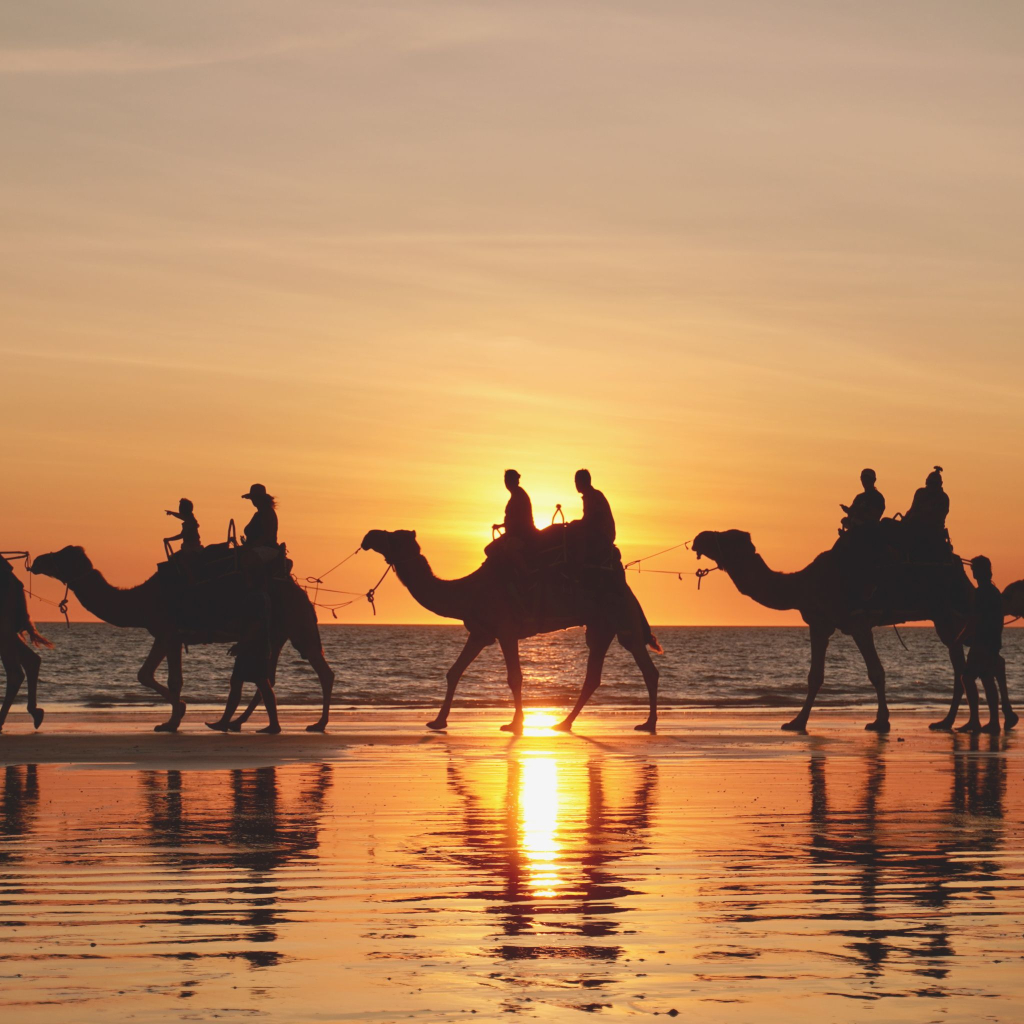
column 94, row 664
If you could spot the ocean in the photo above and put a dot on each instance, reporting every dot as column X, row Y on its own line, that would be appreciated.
column 94, row 665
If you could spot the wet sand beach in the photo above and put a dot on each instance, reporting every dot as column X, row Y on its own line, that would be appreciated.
column 722, row 869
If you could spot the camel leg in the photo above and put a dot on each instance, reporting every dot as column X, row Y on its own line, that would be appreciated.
column 304, row 634
column 651, row 676
column 956, row 659
column 174, row 684
column 325, row 674
column 147, row 673
column 598, row 643
column 15, row 676
column 1010, row 718
column 270, row 702
column 31, row 663
column 865, row 642
column 474, row 645
column 820, row 636
column 510, row 650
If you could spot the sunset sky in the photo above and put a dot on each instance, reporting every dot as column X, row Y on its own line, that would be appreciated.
column 724, row 254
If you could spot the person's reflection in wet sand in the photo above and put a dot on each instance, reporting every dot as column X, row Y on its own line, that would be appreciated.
column 19, row 803
column 547, row 861
column 251, row 842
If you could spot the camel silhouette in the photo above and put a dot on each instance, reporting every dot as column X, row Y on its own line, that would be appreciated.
column 821, row 594
column 20, row 662
column 149, row 607
column 483, row 602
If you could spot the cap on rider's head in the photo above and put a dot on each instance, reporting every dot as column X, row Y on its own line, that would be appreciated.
column 934, row 478
column 981, row 567
column 256, row 491
column 511, row 474
column 582, row 477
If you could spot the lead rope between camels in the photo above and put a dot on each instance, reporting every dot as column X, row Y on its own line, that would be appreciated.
column 678, row 573
column 317, row 581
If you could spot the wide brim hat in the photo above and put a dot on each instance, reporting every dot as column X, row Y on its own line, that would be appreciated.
column 256, row 491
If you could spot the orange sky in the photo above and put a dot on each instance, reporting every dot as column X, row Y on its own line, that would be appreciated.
column 723, row 254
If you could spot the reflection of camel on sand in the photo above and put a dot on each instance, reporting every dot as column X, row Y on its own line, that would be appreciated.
column 18, row 805
column 934, row 874
column 823, row 597
column 20, row 662
column 147, row 606
column 252, row 841
column 481, row 600
column 551, row 860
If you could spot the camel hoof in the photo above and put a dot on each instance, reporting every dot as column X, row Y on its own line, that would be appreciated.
column 992, row 728
column 564, row 726
column 438, row 725
column 217, row 726
column 877, row 726
column 37, row 716
column 515, row 727
column 970, row 727
column 235, row 725
column 170, row 726
column 946, row 725
column 317, row 727
column 1010, row 719
column 270, row 730
column 648, row 727
column 795, row 726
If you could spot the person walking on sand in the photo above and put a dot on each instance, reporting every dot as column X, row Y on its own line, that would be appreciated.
column 189, row 535
column 983, row 660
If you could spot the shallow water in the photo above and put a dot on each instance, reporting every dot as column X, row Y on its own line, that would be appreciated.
column 727, row 875
column 405, row 666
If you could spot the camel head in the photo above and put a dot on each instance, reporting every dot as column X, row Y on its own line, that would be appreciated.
column 1013, row 599
column 394, row 545
column 65, row 565
column 724, row 547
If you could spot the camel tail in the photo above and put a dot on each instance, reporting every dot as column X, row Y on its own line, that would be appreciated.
column 652, row 642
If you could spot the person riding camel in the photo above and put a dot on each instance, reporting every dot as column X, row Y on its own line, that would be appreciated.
column 868, row 506
column 598, row 523
column 189, row 535
column 931, row 503
column 927, row 513
column 519, row 510
column 260, row 535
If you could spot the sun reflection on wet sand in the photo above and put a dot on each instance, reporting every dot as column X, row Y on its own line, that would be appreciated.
column 538, row 818
column 540, row 722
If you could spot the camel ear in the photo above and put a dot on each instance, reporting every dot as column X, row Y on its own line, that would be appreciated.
column 413, row 534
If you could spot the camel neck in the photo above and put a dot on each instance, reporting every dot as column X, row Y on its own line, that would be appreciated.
column 110, row 603
column 779, row 590
column 442, row 597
